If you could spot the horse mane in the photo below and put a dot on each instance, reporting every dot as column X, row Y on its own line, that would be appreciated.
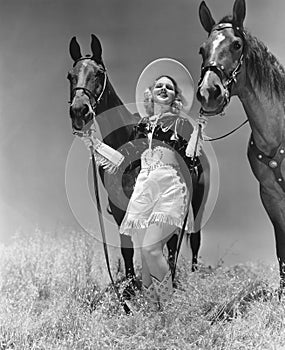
column 110, row 96
column 116, row 127
column 266, row 71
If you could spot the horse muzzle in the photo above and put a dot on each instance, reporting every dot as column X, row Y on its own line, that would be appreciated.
column 212, row 107
column 213, row 97
column 80, row 114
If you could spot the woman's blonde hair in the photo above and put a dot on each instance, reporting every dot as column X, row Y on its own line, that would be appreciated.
column 177, row 103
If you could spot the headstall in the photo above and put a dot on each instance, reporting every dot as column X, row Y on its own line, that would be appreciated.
column 219, row 69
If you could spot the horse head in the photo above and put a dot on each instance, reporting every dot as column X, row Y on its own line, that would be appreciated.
column 222, row 57
column 88, row 81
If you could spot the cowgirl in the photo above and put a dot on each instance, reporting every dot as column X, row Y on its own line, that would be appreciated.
column 161, row 195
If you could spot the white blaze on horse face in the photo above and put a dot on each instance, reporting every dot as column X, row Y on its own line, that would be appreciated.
column 207, row 81
column 81, row 75
column 80, row 96
column 219, row 38
column 205, row 87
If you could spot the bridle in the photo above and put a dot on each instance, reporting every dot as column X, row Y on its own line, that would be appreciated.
column 91, row 96
column 219, row 69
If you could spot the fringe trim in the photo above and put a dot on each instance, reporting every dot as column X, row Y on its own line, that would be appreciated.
column 105, row 156
column 133, row 224
column 107, row 165
column 190, row 149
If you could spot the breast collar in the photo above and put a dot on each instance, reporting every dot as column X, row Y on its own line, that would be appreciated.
column 274, row 163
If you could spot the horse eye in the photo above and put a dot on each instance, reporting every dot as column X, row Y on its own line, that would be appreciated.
column 237, row 45
column 201, row 51
column 70, row 76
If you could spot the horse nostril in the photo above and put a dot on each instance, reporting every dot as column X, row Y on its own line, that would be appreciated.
column 79, row 111
column 77, row 124
column 216, row 91
column 199, row 96
column 85, row 110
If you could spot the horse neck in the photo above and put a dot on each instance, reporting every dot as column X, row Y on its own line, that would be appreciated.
column 265, row 112
column 116, row 125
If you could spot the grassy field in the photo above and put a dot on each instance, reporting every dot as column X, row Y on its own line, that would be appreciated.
column 54, row 295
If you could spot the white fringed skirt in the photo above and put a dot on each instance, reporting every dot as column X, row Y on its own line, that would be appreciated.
column 160, row 196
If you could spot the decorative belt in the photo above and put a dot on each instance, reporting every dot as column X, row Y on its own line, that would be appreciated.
column 159, row 155
column 152, row 167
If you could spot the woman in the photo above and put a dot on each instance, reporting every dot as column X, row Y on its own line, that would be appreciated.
column 161, row 197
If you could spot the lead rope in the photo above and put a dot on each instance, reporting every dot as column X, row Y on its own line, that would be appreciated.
column 199, row 136
column 227, row 134
column 96, row 190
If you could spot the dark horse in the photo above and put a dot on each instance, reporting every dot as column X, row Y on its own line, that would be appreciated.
column 91, row 93
column 236, row 63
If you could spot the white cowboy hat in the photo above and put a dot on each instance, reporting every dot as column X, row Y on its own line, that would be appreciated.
column 172, row 68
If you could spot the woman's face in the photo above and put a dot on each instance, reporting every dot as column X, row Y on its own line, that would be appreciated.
column 163, row 91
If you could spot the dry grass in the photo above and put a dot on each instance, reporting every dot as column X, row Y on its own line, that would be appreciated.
column 53, row 296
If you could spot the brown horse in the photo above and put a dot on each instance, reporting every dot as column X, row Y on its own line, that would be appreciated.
column 236, row 63
column 91, row 93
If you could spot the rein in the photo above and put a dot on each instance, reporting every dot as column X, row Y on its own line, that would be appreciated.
column 189, row 200
column 88, row 134
column 199, row 136
column 102, row 227
column 229, row 133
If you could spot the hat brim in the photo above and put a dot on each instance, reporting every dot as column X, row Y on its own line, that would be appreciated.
column 172, row 68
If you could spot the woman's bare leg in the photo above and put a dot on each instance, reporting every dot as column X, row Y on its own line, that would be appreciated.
column 146, row 278
column 154, row 240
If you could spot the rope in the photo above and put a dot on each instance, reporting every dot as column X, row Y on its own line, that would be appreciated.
column 202, row 123
column 96, row 190
column 189, row 200
column 229, row 133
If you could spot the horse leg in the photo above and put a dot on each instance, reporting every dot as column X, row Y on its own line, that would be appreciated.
column 274, row 202
column 195, row 243
column 280, row 250
column 172, row 248
column 127, row 250
column 195, row 237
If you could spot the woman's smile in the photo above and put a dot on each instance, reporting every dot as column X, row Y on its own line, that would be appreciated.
column 164, row 91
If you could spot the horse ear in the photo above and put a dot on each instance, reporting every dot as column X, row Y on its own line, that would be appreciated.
column 239, row 13
column 96, row 48
column 74, row 49
column 206, row 18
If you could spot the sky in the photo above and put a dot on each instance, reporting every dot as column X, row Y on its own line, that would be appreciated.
column 35, row 133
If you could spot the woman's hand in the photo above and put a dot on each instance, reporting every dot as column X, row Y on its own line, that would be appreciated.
column 88, row 142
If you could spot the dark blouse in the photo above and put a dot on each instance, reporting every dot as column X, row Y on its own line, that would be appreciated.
column 171, row 131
